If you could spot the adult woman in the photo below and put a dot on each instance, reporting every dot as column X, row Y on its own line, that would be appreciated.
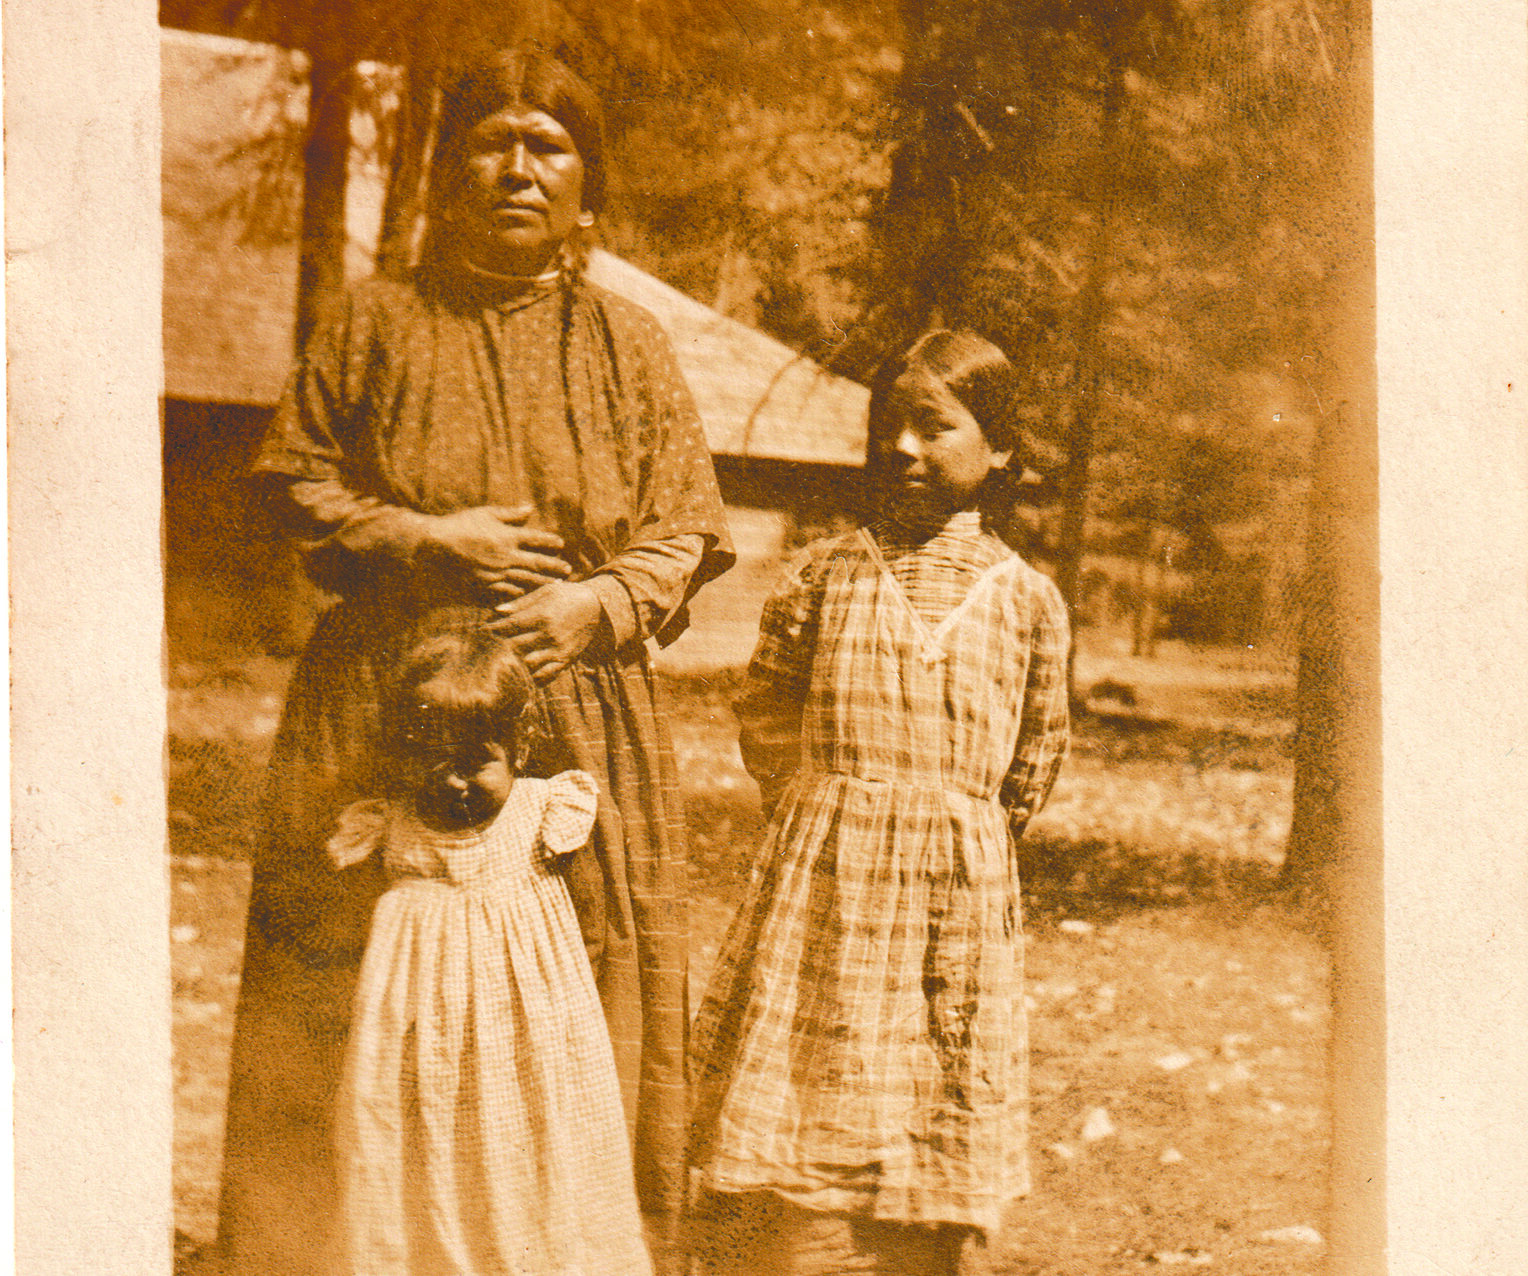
column 498, row 431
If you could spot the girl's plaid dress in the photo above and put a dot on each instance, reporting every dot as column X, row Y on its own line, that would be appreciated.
column 862, row 1046
column 479, row 1128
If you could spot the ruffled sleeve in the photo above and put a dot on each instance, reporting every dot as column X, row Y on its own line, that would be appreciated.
column 358, row 832
column 571, row 800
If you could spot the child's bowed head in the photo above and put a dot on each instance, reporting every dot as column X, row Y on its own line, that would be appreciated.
column 461, row 717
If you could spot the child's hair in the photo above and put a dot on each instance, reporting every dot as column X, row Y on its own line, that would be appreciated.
column 985, row 382
column 458, row 679
column 974, row 370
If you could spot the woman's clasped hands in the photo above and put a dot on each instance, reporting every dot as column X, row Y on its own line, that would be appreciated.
column 519, row 571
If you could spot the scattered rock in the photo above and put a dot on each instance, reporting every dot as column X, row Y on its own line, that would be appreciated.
column 1296, row 1235
column 1073, row 926
column 1175, row 1062
column 1062, row 1152
column 1236, row 1074
column 1097, row 1124
column 185, row 934
column 1170, row 1156
column 1232, row 1044
column 1179, row 1257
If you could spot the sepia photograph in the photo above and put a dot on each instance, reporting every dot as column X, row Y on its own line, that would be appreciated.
column 879, row 444
column 770, row 625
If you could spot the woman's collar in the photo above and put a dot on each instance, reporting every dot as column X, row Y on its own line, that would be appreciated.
column 500, row 291
column 515, row 283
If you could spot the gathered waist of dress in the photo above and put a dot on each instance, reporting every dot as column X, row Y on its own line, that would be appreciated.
column 897, row 785
column 482, row 878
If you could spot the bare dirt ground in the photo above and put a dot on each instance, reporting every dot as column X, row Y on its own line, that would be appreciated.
column 1178, row 1009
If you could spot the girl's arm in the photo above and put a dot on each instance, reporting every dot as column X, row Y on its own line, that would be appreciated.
column 1045, row 728
column 770, row 708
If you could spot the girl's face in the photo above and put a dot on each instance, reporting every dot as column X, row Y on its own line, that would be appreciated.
column 521, row 192
column 460, row 783
column 940, row 456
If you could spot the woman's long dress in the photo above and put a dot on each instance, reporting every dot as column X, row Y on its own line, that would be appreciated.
column 479, row 1128
column 861, row 1048
column 568, row 401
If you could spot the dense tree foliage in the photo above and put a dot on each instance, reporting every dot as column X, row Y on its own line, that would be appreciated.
column 1145, row 202
column 1131, row 196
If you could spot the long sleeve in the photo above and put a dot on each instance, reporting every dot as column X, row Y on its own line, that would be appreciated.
column 642, row 588
column 348, row 540
column 306, row 470
column 1044, row 732
column 345, row 537
column 774, row 695
column 679, row 539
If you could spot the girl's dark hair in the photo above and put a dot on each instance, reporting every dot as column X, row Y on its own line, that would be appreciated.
column 457, row 679
column 974, row 370
column 985, row 382
column 525, row 77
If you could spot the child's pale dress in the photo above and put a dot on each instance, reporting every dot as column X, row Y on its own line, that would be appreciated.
column 861, row 1048
column 479, row 1128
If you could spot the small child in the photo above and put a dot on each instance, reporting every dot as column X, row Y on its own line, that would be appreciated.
column 860, row 1058
column 479, row 1125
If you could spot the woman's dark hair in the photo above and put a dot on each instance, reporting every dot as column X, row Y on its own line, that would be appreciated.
column 525, row 77
column 457, row 679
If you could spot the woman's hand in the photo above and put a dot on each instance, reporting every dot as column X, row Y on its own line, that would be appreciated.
column 492, row 545
column 552, row 626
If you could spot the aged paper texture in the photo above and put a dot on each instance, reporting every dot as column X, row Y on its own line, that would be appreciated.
column 92, row 1067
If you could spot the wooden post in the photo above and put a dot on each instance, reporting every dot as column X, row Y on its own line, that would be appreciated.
column 326, row 155
column 408, row 170
column 1335, row 853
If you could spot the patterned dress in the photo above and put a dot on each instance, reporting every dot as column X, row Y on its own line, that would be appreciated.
column 417, row 401
column 479, row 1128
column 862, row 1048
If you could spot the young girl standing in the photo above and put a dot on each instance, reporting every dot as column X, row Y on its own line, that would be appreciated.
column 479, row 1126
column 860, row 1057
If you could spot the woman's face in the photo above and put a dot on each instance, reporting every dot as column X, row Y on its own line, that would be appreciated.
column 522, row 191
column 940, row 456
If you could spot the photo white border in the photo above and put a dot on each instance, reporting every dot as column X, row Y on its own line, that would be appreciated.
column 92, row 1097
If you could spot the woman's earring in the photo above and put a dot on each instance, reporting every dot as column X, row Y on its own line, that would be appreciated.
column 585, row 220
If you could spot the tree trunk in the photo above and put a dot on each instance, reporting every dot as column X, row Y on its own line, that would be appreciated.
column 326, row 155
column 1337, row 693
column 408, row 169
column 1092, row 309
column 1335, row 849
